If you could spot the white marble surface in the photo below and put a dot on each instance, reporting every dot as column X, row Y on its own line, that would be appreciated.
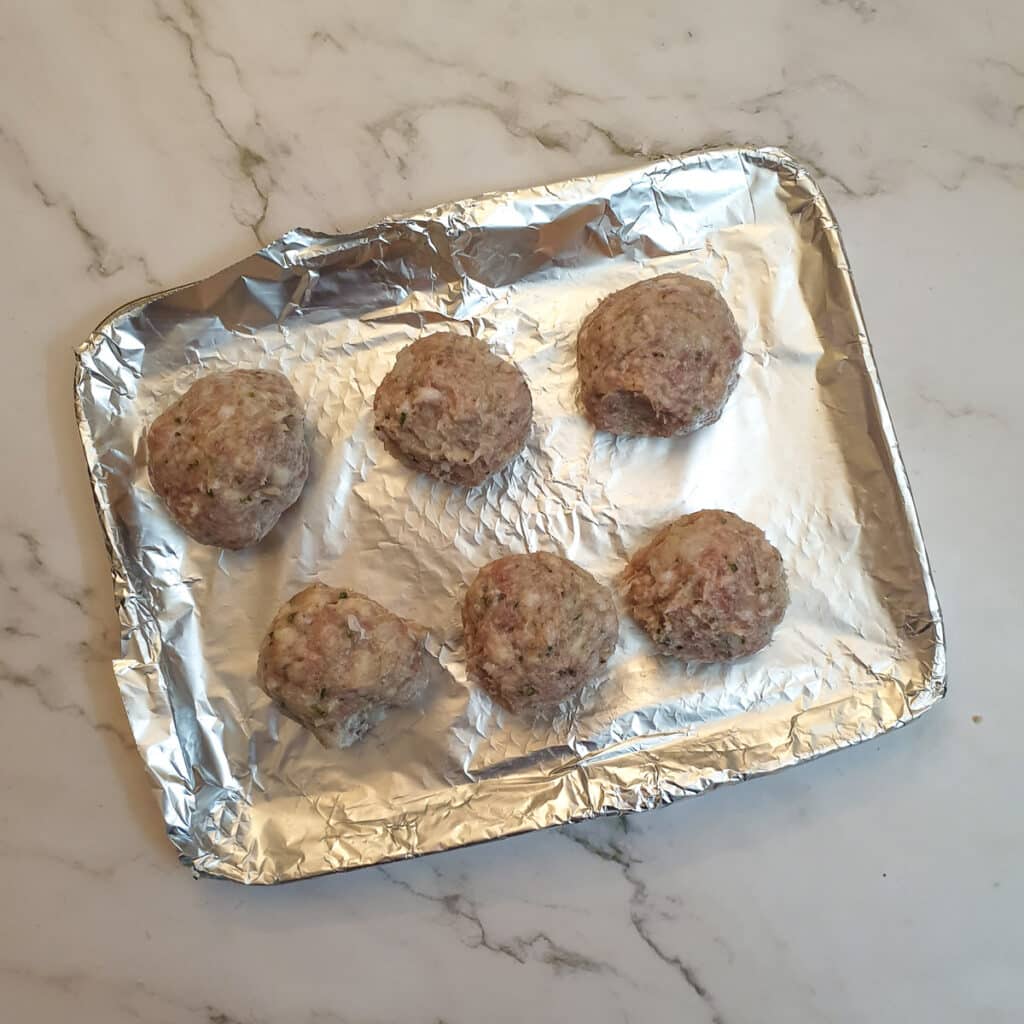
column 146, row 144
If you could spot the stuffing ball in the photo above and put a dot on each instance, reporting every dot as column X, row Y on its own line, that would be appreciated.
column 230, row 456
column 451, row 408
column 708, row 587
column 336, row 661
column 537, row 628
column 660, row 357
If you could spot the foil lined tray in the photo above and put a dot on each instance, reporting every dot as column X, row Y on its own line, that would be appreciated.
column 805, row 449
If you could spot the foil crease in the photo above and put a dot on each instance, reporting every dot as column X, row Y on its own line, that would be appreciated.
column 805, row 449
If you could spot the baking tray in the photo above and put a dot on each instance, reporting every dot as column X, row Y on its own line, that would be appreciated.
column 805, row 449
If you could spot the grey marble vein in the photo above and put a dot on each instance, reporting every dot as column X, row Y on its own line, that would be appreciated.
column 37, row 855
column 104, row 262
column 534, row 946
column 28, row 583
column 247, row 160
column 37, row 566
column 404, row 124
column 615, row 850
column 864, row 11
column 36, row 680
column 962, row 410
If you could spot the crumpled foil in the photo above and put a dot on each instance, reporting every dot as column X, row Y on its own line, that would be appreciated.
column 805, row 449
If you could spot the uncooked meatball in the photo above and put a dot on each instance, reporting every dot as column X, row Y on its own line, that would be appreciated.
column 660, row 357
column 708, row 587
column 537, row 628
column 451, row 408
column 336, row 661
column 230, row 456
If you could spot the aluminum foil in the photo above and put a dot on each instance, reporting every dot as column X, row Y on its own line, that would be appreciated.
column 805, row 449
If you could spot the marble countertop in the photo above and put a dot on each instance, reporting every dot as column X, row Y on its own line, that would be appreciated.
column 145, row 145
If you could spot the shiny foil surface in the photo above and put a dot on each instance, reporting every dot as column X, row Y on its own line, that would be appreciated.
column 805, row 449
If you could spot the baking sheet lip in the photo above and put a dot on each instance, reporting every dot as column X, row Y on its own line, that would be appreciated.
column 228, row 872
column 129, row 632
column 932, row 688
column 938, row 677
column 932, row 691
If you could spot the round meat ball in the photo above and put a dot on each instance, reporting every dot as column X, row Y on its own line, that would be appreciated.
column 537, row 628
column 336, row 661
column 230, row 456
column 659, row 358
column 708, row 587
column 451, row 408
